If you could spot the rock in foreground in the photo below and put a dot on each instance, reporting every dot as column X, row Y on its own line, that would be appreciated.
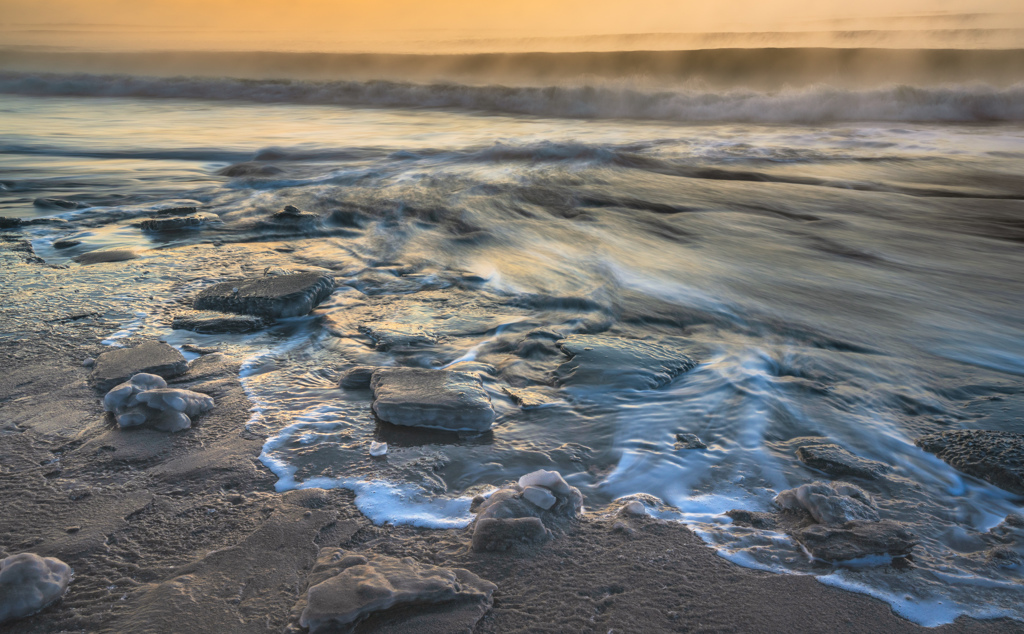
column 836, row 461
column 345, row 589
column 621, row 363
column 273, row 296
column 857, row 539
column 209, row 322
column 438, row 399
column 994, row 456
column 150, row 357
column 516, row 514
column 146, row 400
column 29, row 583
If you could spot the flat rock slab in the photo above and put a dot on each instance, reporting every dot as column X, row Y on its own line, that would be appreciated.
column 347, row 588
column 210, row 322
column 392, row 336
column 107, row 255
column 177, row 223
column 993, row 456
column 620, row 363
column 857, row 539
column 273, row 296
column 836, row 461
column 151, row 357
column 437, row 399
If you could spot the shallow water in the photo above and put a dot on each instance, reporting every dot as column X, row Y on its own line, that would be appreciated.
column 855, row 282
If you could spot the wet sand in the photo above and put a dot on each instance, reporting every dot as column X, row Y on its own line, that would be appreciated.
column 167, row 532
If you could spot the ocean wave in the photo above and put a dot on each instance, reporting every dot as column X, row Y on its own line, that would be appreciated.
column 821, row 103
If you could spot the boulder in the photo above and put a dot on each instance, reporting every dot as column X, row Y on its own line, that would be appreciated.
column 994, row 456
column 345, row 589
column 177, row 223
column 273, row 296
column 438, row 399
column 29, row 583
column 150, row 357
column 828, row 503
column 619, row 363
column 209, row 322
column 836, row 461
column 857, row 539
column 146, row 400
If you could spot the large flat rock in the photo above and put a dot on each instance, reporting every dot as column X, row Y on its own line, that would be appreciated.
column 994, row 456
column 151, row 357
column 272, row 296
column 209, row 322
column 439, row 399
column 622, row 363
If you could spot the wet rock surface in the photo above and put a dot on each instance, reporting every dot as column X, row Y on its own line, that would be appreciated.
column 516, row 514
column 58, row 203
column 689, row 441
column 615, row 362
column 439, row 399
column 357, row 378
column 392, row 336
column 993, row 456
column 274, row 296
column 29, row 583
column 530, row 397
column 66, row 243
column 405, row 595
column 170, row 222
column 829, row 503
column 857, row 539
column 292, row 215
column 146, row 400
column 211, row 322
column 836, row 461
column 107, row 255
column 150, row 357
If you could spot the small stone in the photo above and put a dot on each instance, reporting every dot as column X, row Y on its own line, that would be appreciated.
column 294, row 216
column 378, row 448
column 501, row 534
column 623, row 528
column 58, row 203
column 832, row 504
column 621, row 363
column 528, row 398
column 390, row 336
column 194, row 349
column 66, row 243
column 633, row 507
column 754, row 519
column 551, row 480
column 689, row 441
column 539, row 496
column 177, row 223
column 89, row 362
column 72, row 529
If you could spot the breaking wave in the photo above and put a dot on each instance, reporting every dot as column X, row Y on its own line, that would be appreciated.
column 812, row 104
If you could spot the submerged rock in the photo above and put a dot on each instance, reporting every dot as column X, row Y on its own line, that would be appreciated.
column 391, row 336
column 621, row 363
column 857, row 539
column 8, row 222
column 994, row 456
column 66, row 243
column 209, row 322
column 29, row 583
column 689, row 441
column 378, row 449
column 150, row 357
column 58, row 203
column 357, row 378
column 829, row 503
column 527, row 397
column 516, row 514
column 177, row 223
column 106, row 255
column 273, row 296
column 409, row 596
column 438, row 399
column 836, row 461
column 146, row 400
column 294, row 216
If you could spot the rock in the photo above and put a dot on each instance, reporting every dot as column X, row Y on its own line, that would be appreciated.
column 274, row 296
column 633, row 507
column 188, row 347
column 391, row 336
column 146, row 400
column 527, row 398
column 150, row 357
column 249, row 169
column 294, row 216
column 177, row 223
column 501, row 534
column 539, row 496
column 209, row 322
column 88, row 362
column 58, row 203
column 66, row 243
column 623, row 528
column 857, row 539
column 689, row 441
column 755, row 519
column 620, row 363
column 7, row 222
column 357, row 378
column 345, row 589
column 29, row 583
column 994, row 456
column 378, row 448
column 836, row 461
column 438, row 399
column 829, row 503
column 548, row 479
column 106, row 255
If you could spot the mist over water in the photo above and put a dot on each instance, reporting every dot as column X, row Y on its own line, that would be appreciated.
column 833, row 235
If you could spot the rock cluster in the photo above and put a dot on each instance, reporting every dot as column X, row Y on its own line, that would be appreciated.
column 438, row 399
column 516, row 514
column 146, row 400
column 403, row 594
column 29, row 583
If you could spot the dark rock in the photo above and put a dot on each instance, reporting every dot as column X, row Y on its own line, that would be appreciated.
column 994, row 456
column 177, row 223
column 249, row 169
column 438, row 399
column 177, row 211
column 209, row 322
column 294, row 216
column 501, row 534
column 357, row 378
column 107, row 255
column 754, row 519
column 66, row 243
column 58, row 203
column 689, row 441
column 391, row 336
column 620, row 363
column 857, row 539
column 188, row 347
column 828, row 503
column 7, row 222
column 273, row 296
column 836, row 461
column 151, row 357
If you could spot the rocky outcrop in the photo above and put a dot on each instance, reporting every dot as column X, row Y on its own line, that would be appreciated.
column 993, row 456
column 106, row 255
